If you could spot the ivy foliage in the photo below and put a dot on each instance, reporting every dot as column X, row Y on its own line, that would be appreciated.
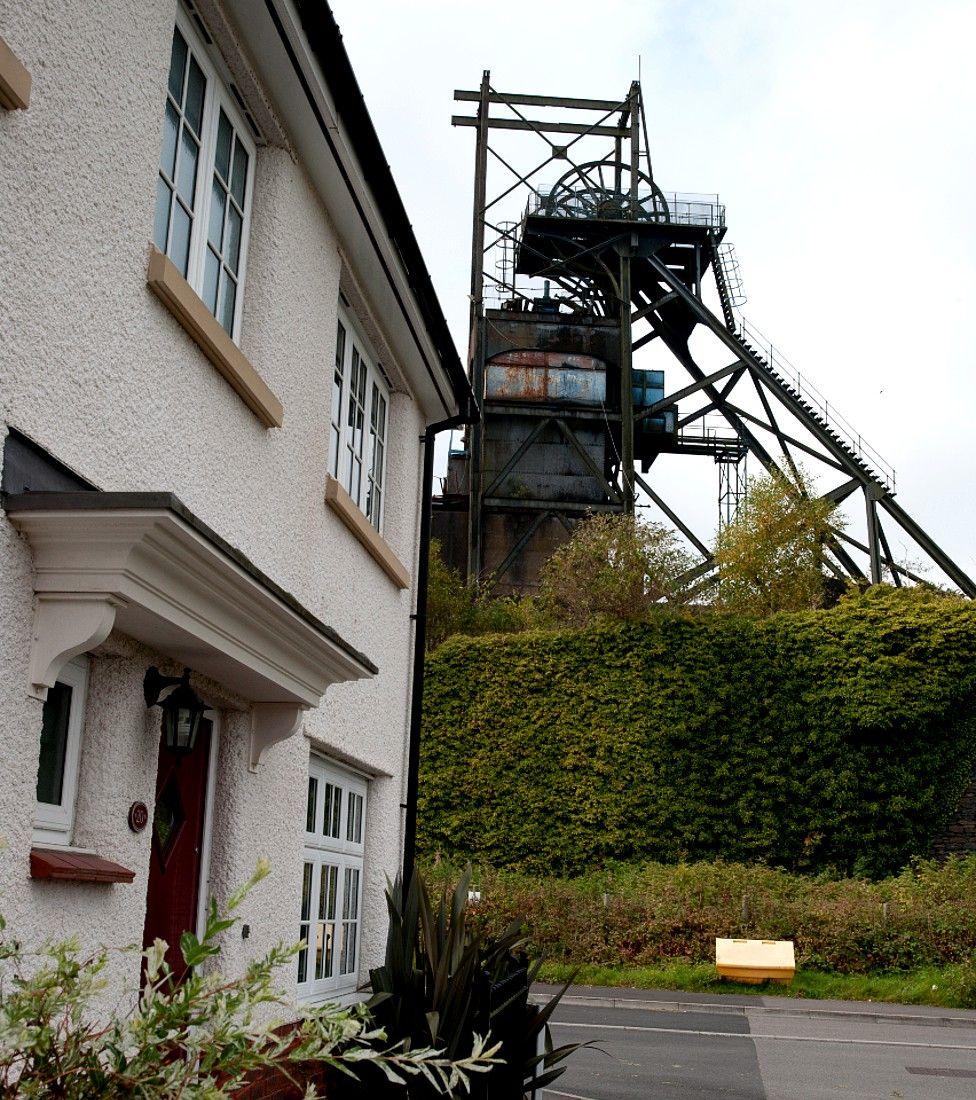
column 823, row 740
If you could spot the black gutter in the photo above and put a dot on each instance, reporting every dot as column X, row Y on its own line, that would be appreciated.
column 420, row 641
column 325, row 41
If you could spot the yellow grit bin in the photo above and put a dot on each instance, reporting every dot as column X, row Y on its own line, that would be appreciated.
column 755, row 961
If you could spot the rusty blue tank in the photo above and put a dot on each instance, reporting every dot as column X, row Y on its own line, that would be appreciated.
column 546, row 377
column 648, row 389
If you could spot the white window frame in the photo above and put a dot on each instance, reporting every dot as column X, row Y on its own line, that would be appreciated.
column 345, row 853
column 343, row 454
column 54, row 823
column 205, row 884
column 216, row 97
column 338, row 393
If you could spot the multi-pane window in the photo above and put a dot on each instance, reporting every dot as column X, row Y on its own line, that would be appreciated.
column 355, row 424
column 348, row 941
column 62, row 722
column 176, row 188
column 332, row 872
column 377, row 438
column 360, row 404
column 354, row 817
column 225, row 225
column 305, row 928
column 203, row 193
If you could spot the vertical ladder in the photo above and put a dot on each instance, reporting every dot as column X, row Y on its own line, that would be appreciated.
column 728, row 279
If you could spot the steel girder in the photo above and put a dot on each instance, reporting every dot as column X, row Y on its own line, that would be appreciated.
column 838, row 455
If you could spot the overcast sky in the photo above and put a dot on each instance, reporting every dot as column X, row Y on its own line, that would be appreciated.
column 840, row 135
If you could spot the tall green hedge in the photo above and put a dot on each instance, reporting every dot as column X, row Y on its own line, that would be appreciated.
column 836, row 739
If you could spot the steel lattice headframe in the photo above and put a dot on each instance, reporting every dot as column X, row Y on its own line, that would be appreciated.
column 612, row 244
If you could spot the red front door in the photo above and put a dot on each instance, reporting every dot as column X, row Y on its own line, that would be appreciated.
column 177, row 845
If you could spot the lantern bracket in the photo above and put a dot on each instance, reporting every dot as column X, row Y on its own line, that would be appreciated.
column 182, row 708
column 155, row 683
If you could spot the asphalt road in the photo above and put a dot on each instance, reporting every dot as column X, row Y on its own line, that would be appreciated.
column 682, row 1045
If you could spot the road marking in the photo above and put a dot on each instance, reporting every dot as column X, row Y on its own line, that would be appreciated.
column 568, row 1095
column 798, row 1007
column 774, row 1038
column 939, row 1071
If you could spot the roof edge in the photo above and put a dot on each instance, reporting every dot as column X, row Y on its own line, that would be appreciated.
column 327, row 46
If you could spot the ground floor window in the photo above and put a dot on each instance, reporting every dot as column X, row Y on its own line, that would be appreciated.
column 62, row 724
column 332, row 881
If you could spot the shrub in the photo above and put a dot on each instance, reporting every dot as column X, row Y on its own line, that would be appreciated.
column 819, row 740
column 646, row 914
column 450, row 602
column 445, row 983
column 205, row 1036
column 454, row 608
column 614, row 567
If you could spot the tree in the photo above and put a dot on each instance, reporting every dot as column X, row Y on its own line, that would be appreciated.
column 450, row 604
column 615, row 567
column 454, row 608
column 771, row 556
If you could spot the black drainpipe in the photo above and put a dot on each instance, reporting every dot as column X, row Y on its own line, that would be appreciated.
column 470, row 416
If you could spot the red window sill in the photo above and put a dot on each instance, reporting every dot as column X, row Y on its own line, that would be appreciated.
column 76, row 867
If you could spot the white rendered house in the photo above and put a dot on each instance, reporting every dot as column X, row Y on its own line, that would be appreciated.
column 219, row 353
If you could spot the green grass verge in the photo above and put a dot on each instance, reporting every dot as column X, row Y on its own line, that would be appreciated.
column 946, row 986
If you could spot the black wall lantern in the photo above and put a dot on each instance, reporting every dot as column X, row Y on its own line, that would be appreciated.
column 182, row 708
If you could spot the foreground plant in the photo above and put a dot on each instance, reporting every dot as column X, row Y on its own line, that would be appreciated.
column 445, row 980
column 198, row 1034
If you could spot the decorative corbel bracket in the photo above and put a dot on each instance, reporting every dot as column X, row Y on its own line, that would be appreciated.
column 271, row 723
column 66, row 624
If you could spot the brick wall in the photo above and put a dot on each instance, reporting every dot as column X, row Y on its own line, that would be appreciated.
column 959, row 836
column 274, row 1085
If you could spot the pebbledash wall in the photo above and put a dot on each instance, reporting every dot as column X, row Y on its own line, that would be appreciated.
column 96, row 371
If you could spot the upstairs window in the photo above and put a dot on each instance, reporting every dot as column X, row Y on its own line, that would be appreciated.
column 332, row 882
column 206, row 174
column 62, row 723
column 377, row 436
column 360, row 403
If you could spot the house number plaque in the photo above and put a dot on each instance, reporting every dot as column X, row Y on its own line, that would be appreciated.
column 138, row 816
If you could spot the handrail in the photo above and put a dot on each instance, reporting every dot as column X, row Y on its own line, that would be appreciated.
column 780, row 366
column 684, row 208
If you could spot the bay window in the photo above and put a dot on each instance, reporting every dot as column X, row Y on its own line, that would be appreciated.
column 206, row 172
column 360, row 405
column 332, row 882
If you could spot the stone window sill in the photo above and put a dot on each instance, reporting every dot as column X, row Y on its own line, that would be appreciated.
column 66, row 865
column 376, row 546
column 203, row 328
column 15, row 80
